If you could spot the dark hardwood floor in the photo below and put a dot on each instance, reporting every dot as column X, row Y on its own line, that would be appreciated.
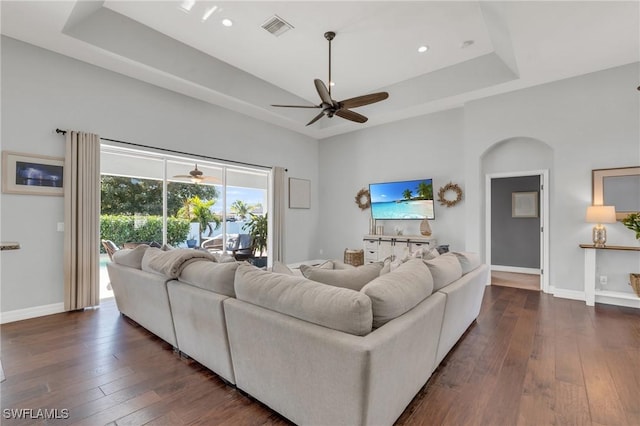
column 530, row 359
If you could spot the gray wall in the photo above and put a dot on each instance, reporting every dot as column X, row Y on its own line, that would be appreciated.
column 515, row 241
column 579, row 124
column 42, row 90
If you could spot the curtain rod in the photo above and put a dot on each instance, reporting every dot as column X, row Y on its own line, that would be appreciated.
column 64, row 132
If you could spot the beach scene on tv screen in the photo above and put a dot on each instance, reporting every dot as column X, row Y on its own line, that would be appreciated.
column 402, row 200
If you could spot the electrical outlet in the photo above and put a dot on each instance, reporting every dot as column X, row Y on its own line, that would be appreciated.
column 603, row 280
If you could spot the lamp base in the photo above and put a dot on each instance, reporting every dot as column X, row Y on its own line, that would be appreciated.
column 599, row 235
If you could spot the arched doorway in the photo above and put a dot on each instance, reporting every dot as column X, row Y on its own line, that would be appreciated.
column 517, row 197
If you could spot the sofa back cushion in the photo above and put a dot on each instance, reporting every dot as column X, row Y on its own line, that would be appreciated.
column 468, row 261
column 445, row 269
column 332, row 307
column 397, row 292
column 212, row 276
column 352, row 278
column 130, row 257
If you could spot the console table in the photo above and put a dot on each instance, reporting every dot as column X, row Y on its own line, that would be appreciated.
column 604, row 296
column 379, row 247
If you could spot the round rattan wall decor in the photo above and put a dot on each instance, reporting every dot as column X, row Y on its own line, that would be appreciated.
column 363, row 199
column 447, row 200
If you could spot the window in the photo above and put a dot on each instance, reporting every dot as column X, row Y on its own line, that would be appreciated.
column 149, row 197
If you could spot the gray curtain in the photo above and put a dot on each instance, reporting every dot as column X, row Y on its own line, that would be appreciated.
column 81, row 220
column 276, row 252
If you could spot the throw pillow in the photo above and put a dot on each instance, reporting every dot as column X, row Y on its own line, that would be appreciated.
column 353, row 279
column 332, row 307
column 338, row 264
column 399, row 291
column 443, row 248
column 445, row 269
column 468, row 261
column 281, row 268
column 212, row 276
column 130, row 257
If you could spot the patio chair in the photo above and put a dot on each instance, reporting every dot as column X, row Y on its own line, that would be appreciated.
column 110, row 247
column 243, row 249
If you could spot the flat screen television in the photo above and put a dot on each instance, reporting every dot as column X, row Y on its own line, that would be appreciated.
column 410, row 199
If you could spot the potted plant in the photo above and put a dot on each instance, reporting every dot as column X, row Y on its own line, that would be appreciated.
column 632, row 222
column 191, row 242
column 257, row 227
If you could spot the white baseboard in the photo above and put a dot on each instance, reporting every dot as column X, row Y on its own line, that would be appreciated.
column 34, row 312
column 515, row 269
column 567, row 294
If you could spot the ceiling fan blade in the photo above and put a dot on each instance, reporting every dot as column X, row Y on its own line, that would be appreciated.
column 296, row 106
column 363, row 100
column 211, row 179
column 183, row 176
column 350, row 115
column 323, row 92
column 316, row 118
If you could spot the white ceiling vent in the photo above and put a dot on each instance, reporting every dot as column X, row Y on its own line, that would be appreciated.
column 277, row 26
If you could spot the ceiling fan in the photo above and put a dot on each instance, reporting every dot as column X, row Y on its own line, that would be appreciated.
column 341, row 108
column 196, row 176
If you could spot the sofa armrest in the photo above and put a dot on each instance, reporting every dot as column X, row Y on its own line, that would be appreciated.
column 316, row 375
column 143, row 297
column 464, row 299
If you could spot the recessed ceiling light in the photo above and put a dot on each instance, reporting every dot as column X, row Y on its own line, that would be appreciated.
column 187, row 5
column 227, row 22
column 209, row 12
column 423, row 49
column 466, row 44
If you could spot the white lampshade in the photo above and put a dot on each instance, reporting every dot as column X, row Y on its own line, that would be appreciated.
column 601, row 214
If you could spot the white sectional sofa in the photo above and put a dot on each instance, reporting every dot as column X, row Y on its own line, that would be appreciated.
column 315, row 353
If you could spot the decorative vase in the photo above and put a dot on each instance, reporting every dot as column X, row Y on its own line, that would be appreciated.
column 425, row 228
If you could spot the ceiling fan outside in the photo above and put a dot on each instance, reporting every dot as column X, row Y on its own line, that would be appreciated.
column 196, row 176
column 340, row 108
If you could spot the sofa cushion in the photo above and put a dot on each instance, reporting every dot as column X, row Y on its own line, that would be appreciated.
column 212, row 276
column 468, row 261
column 171, row 263
column 354, row 278
column 332, row 307
column 445, row 269
column 130, row 257
column 281, row 268
column 397, row 292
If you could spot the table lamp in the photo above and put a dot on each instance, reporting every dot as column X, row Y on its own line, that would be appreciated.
column 600, row 215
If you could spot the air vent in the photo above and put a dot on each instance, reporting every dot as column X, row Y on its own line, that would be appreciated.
column 277, row 26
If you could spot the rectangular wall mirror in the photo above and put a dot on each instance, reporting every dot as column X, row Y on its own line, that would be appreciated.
column 618, row 187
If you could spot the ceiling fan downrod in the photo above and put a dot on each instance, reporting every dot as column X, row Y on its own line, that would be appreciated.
column 329, row 35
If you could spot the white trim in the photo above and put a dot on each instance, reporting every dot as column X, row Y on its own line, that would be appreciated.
column 33, row 312
column 515, row 269
column 567, row 294
column 544, row 220
column 617, row 298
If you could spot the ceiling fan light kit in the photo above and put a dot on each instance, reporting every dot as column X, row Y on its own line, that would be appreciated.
column 196, row 176
column 331, row 107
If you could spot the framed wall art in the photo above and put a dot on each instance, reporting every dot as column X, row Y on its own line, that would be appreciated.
column 524, row 204
column 32, row 174
column 299, row 193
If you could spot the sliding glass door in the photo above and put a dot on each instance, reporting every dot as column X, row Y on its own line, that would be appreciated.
column 160, row 199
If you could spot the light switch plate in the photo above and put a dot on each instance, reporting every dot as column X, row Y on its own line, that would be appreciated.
column 60, row 226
